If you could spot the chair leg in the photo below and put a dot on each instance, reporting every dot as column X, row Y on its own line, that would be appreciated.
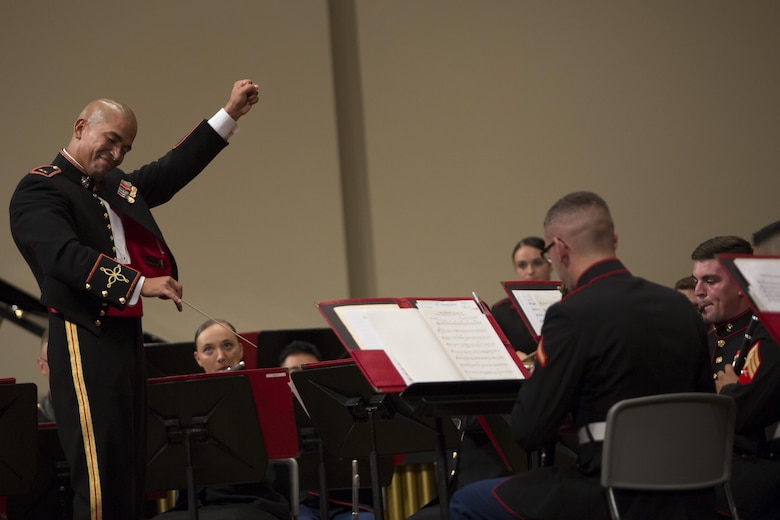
column 730, row 500
column 613, row 509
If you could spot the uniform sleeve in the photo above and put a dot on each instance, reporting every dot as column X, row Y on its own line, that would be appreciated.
column 111, row 281
column 160, row 180
column 42, row 225
column 758, row 390
column 546, row 397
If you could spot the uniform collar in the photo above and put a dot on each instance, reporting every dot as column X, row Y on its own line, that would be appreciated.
column 73, row 170
column 599, row 270
column 736, row 324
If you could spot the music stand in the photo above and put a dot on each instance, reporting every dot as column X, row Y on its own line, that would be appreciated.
column 319, row 470
column 354, row 420
column 18, row 436
column 170, row 359
column 203, row 431
column 459, row 398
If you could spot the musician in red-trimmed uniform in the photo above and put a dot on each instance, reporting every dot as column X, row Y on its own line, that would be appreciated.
column 614, row 336
column 721, row 306
column 86, row 230
column 755, row 469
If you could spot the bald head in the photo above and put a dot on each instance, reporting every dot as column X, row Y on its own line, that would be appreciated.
column 102, row 110
column 102, row 135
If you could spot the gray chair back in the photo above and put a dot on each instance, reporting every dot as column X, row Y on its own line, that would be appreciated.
column 669, row 442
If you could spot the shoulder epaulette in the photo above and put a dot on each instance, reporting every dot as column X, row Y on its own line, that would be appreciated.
column 48, row 170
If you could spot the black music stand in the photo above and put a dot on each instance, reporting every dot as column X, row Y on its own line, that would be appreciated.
column 448, row 398
column 18, row 437
column 354, row 420
column 170, row 359
column 50, row 495
column 201, row 432
column 319, row 469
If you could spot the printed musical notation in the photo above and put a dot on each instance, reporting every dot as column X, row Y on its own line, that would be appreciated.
column 438, row 340
column 763, row 278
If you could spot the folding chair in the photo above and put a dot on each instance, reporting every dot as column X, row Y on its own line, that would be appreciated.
column 669, row 442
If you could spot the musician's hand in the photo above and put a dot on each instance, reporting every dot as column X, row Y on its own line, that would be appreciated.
column 245, row 93
column 727, row 376
column 528, row 360
column 163, row 287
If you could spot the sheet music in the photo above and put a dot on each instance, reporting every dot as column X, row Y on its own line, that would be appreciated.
column 763, row 278
column 467, row 336
column 405, row 336
column 354, row 317
column 534, row 305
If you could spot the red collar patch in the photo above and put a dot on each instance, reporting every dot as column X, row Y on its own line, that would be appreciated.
column 48, row 170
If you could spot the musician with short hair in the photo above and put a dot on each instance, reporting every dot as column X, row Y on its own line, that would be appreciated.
column 755, row 468
column 687, row 286
column 766, row 241
column 720, row 303
column 298, row 353
column 613, row 336
column 86, row 230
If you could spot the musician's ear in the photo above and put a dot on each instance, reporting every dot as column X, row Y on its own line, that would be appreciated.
column 563, row 251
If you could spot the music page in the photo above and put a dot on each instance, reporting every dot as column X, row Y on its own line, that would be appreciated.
column 469, row 339
column 405, row 336
column 535, row 304
column 763, row 278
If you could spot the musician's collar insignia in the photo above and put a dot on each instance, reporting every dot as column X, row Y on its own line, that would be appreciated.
column 127, row 191
column 48, row 170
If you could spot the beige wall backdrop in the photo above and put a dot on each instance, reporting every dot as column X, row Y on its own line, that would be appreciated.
column 457, row 122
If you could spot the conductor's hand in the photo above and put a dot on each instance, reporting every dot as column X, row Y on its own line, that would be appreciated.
column 245, row 94
column 163, row 287
column 727, row 376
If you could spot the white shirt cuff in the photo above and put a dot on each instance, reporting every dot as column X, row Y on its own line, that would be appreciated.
column 223, row 124
column 137, row 291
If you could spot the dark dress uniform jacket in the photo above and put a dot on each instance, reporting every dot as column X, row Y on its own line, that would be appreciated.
column 614, row 337
column 62, row 230
column 98, row 380
column 755, row 469
column 726, row 339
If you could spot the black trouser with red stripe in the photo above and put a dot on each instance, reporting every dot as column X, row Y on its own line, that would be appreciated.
column 98, row 386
